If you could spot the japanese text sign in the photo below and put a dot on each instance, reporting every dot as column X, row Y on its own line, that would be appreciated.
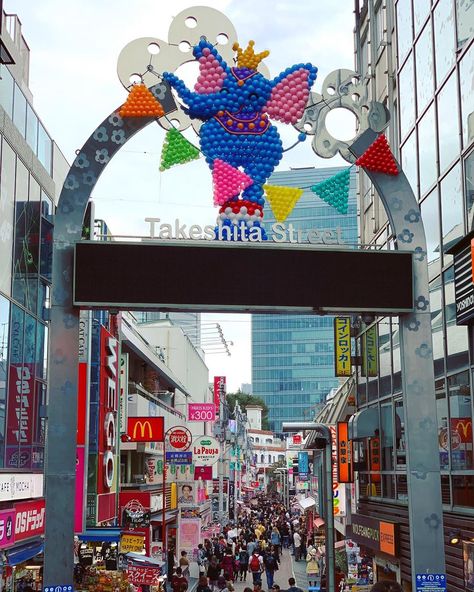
column 131, row 543
column 370, row 366
column 342, row 346
column 148, row 575
column 201, row 412
column 7, row 528
column 344, row 453
column 219, row 391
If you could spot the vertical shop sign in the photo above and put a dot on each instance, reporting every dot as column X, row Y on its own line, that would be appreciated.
column 339, row 490
column 370, row 365
column 123, row 402
column 82, row 405
column 7, row 528
column 374, row 456
column 106, row 473
column 219, row 391
column 344, row 453
column 303, row 464
column 342, row 346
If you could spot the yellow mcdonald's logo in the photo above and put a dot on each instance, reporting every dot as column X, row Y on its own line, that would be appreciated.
column 143, row 426
column 464, row 427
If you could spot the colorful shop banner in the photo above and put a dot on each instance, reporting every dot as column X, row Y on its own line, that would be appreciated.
column 189, row 534
column 201, row 412
column 206, row 450
column 219, row 391
column 131, row 543
column 144, row 574
column 344, row 453
column 342, row 346
column 339, row 490
column 179, row 458
column 29, row 521
column 370, row 360
column 204, row 473
column 7, row 528
column 146, row 429
column 303, row 463
column 123, row 386
column 374, row 459
column 375, row 534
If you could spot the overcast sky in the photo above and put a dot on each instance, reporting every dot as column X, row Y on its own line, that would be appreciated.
column 73, row 77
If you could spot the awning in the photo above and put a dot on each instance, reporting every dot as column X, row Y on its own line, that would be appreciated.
column 307, row 502
column 158, row 516
column 318, row 522
column 24, row 552
column 340, row 545
column 139, row 558
column 102, row 535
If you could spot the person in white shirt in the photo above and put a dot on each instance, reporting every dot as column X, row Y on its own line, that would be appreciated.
column 297, row 545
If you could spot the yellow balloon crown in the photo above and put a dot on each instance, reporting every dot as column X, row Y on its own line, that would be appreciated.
column 248, row 58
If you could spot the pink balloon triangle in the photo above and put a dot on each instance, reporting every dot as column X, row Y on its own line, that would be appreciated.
column 227, row 181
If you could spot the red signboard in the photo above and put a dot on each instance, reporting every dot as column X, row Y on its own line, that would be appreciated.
column 21, row 399
column 297, row 439
column 219, row 391
column 146, row 429
column 179, row 439
column 29, row 520
column 147, row 574
column 204, row 473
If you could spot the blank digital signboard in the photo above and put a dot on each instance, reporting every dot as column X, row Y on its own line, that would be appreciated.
column 243, row 277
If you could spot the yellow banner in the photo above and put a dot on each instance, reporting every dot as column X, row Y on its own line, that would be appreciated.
column 342, row 346
column 131, row 543
column 370, row 366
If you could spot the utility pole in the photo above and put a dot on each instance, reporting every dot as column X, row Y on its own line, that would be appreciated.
column 221, row 461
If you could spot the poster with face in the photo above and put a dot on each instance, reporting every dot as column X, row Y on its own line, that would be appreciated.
column 186, row 493
column 468, row 561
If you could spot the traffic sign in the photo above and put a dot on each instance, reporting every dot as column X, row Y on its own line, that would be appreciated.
column 428, row 582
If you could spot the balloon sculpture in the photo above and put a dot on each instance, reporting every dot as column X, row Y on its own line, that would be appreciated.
column 235, row 104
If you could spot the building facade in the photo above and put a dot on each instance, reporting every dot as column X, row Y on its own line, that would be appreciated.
column 32, row 171
column 190, row 322
column 292, row 355
column 418, row 59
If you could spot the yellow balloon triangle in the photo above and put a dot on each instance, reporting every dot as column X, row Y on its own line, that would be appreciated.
column 282, row 200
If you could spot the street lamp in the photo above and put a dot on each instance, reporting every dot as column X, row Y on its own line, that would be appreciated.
column 325, row 436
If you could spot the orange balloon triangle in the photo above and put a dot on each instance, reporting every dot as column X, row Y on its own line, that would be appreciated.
column 141, row 103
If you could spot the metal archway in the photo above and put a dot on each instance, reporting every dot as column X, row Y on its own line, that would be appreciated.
column 425, row 508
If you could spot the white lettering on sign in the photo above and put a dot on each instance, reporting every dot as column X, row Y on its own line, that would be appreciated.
column 110, row 428
column 29, row 520
column 22, row 386
column 469, row 301
column 280, row 233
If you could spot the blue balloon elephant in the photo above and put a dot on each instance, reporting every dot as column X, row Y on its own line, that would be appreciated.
column 235, row 104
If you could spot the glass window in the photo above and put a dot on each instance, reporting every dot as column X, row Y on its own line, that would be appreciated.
column 427, row 151
column 469, row 188
column 4, row 328
column 463, row 490
column 44, row 148
column 19, row 110
column 409, row 163
column 407, row 98
column 424, row 68
column 442, row 414
column 465, row 19
column 6, row 90
column 460, row 402
column 430, row 214
column 31, row 128
column 448, row 126
column 452, row 209
column 378, row 28
column 404, row 28
column 466, row 82
column 421, row 9
column 7, row 208
column 402, row 488
column 21, row 255
column 444, row 39
column 400, row 444
column 386, row 429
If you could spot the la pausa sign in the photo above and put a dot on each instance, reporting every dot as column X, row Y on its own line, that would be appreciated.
column 280, row 232
column 206, row 450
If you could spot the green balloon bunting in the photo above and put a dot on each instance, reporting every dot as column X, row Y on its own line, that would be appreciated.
column 335, row 190
column 177, row 150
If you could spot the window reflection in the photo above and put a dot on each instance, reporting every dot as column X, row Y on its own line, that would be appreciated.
column 386, row 436
column 421, row 10
column 407, row 103
column 404, row 28
column 430, row 215
column 466, row 80
column 443, row 432
column 463, row 490
column 465, row 20
column 409, row 163
column 460, row 421
column 452, row 215
column 6, row 90
column 400, row 444
column 7, row 207
column 469, row 188
column 427, row 151
column 19, row 111
column 424, row 65
column 448, row 127
column 444, row 39
column 4, row 329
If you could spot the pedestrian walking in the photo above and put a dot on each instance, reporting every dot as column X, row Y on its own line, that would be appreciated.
column 213, row 572
column 243, row 564
column 256, row 567
column 312, row 568
column 292, row 587
column 184, row 564
column 271, row 565
column 297, row 545
column 228, row 565
column 203, row 585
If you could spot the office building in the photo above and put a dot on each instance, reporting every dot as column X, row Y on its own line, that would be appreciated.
column 418, row 59
column 292, row 355
column 190, row 322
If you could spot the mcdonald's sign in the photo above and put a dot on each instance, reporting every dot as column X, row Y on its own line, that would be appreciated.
column 146, row 429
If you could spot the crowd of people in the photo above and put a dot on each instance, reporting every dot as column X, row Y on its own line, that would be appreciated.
column 251, row 551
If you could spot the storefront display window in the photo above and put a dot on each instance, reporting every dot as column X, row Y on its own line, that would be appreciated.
column 424, row 64
column 468, row 564
column 463, row 490
column 460, row 404
column 443, row 432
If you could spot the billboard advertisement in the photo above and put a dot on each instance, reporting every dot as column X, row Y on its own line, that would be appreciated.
column 219, row 391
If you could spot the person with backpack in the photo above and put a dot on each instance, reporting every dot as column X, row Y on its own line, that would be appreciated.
column 243, row 563
column 271, row 565
column 228, row 565
column 256, row 567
